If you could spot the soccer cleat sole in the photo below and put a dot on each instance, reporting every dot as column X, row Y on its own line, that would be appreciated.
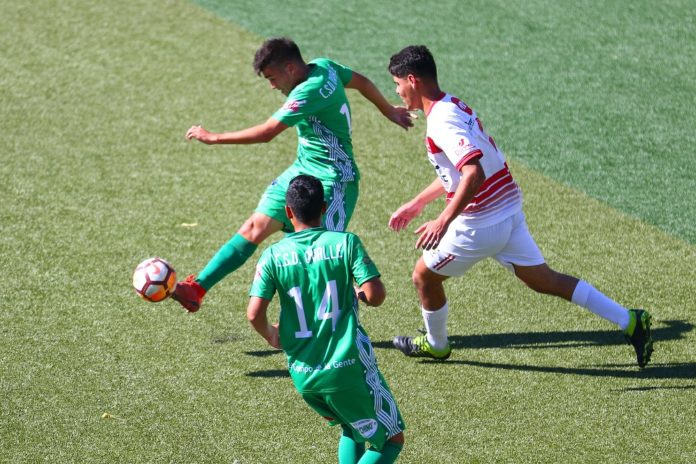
column 646, row 320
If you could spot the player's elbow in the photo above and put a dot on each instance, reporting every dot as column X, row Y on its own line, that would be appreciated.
column 267, row 131
column 374, row 291
column 255, row 310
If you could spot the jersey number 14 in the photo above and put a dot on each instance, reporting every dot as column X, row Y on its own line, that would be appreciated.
column 325, row 310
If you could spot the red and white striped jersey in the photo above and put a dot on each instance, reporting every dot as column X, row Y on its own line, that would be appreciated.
column 455, row 136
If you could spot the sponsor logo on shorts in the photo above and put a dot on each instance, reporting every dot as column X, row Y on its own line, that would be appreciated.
column 366, row 427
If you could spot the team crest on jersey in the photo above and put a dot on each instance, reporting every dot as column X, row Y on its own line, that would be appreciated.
column 366, row 427
column 294, row 105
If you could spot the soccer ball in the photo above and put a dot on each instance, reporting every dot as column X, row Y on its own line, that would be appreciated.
column 154, row 279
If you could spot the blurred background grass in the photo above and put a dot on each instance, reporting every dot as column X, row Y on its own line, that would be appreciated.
column 96, row 175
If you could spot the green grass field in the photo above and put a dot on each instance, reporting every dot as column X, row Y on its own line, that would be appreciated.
column 592, row 103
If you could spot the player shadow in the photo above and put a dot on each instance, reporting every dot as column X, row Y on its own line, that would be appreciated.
column 668, row 331
column 269, row 373
column 642, row 389
column 263, row 353
column 625, row 371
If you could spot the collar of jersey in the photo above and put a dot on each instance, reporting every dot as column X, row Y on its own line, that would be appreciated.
column 307, row 231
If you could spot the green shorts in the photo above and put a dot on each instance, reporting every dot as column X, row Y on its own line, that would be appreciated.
column 369, row 410
column 340, row 197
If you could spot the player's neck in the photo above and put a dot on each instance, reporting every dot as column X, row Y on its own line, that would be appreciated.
column 429, row 97
column 302, row 74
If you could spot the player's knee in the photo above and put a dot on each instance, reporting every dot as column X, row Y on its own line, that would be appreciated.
column 418, row 278
column 252, row 230
column 247, row 228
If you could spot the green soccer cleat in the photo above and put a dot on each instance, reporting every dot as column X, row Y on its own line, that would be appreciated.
column 638, row 335
column 419, row 347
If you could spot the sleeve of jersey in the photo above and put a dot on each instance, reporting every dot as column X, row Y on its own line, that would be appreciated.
column 344, row 72
column 300, row 104
column 263, row 285
column 363, row 267
column 458, row 146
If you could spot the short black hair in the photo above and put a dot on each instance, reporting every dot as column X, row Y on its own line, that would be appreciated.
column 305, row 197
column 276, row 51
column 414, row 59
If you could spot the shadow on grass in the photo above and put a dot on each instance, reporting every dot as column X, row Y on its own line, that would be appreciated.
column 671, row 330
column 269, row 373
column 642, row 389
column 263, row 353
column 225, row 338
column 630, row 371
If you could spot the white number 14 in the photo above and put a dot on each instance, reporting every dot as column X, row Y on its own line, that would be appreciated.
column 323, row 312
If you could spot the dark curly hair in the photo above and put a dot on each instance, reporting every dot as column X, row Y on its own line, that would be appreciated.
column 276, row 51
column 414, row 59
column 305, row 197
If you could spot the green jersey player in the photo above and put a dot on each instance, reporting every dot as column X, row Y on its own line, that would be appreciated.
column 330, row 357
column 317, row 106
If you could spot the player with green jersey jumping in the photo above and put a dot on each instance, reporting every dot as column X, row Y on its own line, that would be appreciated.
column 317, row 106
column 330, row 356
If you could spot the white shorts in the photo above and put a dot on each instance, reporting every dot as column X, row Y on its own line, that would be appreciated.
column 509, row 242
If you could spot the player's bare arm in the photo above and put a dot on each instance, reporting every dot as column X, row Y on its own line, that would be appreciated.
column 256, row 313
column 397, row 114
column 260, row 133
column 432, row 231
column 403, row 216
column 372, row 292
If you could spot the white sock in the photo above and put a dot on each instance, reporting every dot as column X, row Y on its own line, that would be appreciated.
column 436, row 326
column 588, row 297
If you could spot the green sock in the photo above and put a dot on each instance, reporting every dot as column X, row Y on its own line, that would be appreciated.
column 349, row 451
column 228, row 258
column 388, row 454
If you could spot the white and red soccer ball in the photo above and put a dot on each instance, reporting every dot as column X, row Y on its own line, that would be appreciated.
column 154, row 279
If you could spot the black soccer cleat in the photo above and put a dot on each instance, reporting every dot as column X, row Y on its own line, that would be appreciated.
column 638, row 334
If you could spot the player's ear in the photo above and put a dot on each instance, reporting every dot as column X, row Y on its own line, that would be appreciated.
column 288, row 212
column 411, row 79
column 323, row 208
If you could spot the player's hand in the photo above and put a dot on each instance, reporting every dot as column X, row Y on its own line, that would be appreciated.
column 430, row 234
column 198, row 133
column 404, row 215
column 274, row 336
column 401, row 116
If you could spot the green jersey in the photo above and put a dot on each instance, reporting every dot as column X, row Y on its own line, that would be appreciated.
column 313, row 272
column 319, row 110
